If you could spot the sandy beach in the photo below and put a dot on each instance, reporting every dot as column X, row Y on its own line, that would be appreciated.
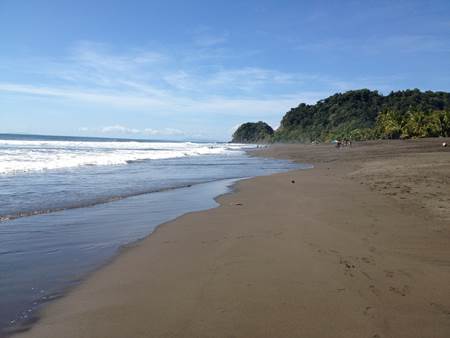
column 359, row 246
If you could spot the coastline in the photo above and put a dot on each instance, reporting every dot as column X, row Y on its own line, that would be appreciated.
column 44, row 255
column 206, row 192
column 332, row 254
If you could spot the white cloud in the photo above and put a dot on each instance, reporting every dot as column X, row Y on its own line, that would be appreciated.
column 145, row 80
column 163, row 132
column 158, row 75
column 118, row 129
column 100, row 57
column 124, row 130
column 173, row 103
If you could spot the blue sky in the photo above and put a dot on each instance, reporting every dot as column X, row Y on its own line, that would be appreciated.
column 197, row 69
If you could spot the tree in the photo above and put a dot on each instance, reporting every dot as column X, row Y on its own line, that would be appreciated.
column 389, row 124
column 443, row 120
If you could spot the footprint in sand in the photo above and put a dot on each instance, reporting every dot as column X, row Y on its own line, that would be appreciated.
column 369, row 311
column 349, row 267
column 404, row 273
column 403, row 291
column 374, row 290
column 441, row 308
column 389, row 274
column 367, row 275
column 367, row 260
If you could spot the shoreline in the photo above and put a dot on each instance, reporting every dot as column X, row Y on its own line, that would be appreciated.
column 275, row 258
column 34, row 316
column 33, row 320
column 12, row 217
column 208, row 192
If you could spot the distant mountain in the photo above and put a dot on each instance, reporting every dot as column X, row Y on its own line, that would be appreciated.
column 250, row 132
column 365, row 114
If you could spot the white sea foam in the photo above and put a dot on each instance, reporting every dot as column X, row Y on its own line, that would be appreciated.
column 37, row 155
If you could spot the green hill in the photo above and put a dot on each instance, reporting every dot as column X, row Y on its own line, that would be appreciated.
column 251, row 132
column 365, row 114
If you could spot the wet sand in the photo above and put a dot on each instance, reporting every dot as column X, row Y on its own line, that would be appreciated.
column 359, row 246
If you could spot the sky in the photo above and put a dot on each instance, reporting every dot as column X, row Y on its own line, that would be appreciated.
column 195, row 70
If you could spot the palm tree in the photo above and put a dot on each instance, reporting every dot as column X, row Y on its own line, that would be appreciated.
column 443, row 120
column 416, row 125
column 389, row 124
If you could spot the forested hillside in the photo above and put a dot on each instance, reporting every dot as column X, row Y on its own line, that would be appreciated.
column 365, row 114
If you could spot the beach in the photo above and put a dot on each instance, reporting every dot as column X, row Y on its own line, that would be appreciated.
column 358, row 246
column 69, row 204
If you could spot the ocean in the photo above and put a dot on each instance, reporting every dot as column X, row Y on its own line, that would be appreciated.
column 69, row 204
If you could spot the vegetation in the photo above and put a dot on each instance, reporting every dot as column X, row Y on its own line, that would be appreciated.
column 364, row 114
column 390, row 124
column 250, row 132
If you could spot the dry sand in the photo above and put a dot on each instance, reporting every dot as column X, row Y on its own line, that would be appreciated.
column 357, row 247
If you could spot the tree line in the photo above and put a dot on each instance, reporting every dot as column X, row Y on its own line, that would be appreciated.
column 362, row 115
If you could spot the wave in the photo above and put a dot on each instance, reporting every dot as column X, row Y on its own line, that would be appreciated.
column 18, row 156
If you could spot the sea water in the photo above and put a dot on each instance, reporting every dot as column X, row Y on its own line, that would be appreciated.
column 68, row 204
